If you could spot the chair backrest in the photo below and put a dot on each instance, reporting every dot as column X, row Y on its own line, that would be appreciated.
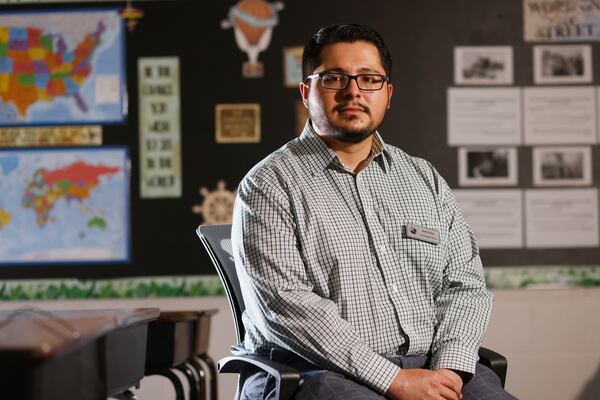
column 217, row 241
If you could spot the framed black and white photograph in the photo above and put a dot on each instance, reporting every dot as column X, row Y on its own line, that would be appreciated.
column 483, row 65
column 562, row 166
column 487, row 166
column 562, row 64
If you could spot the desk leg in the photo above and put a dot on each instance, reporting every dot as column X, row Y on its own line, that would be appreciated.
column 213, row 374
column 198, row 365
column 191, row 377
column 172, row 376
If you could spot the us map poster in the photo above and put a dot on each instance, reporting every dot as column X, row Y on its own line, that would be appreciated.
column 61, row 67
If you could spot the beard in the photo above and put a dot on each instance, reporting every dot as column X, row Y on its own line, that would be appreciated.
column 319, row 118
column 355, row 136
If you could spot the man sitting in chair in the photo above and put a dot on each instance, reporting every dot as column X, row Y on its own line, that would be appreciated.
column 355, row 263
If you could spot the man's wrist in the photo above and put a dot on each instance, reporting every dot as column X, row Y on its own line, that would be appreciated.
column 455, row 357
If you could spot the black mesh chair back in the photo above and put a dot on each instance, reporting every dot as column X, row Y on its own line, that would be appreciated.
column 217, row 241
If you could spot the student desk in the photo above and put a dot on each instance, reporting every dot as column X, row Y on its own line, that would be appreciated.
column 75, row 354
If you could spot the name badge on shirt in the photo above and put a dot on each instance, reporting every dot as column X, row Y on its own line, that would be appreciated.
column 422, row 233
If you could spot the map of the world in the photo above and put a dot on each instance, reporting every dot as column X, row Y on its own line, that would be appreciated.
column 61, row 67
column 64, row 205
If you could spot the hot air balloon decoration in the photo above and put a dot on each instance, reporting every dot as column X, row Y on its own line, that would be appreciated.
column 253, row 22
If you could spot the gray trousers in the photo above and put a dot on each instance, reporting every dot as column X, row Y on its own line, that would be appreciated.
column 319, row 384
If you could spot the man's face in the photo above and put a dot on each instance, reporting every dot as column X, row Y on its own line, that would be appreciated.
column 349, row 115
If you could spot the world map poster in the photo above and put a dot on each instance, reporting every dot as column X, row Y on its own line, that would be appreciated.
column 64, row 206
column 61, row 67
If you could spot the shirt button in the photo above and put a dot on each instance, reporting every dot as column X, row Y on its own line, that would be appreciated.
column 382, row 248
column 395, row 288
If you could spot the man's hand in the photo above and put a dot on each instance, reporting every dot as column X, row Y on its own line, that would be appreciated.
column 423, row 384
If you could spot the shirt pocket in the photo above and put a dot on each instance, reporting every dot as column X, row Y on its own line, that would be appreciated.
column 422, row 260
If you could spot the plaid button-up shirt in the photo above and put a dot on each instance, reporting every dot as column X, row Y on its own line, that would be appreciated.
column 328, row 272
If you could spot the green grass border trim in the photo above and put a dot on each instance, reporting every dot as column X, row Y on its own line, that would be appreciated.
column 58, row 289
column 210, row 285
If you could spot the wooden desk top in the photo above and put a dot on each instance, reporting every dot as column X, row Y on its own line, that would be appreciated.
column 177, row 316
column 37, row 334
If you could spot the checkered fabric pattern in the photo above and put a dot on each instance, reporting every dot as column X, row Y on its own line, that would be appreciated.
column 328, row 272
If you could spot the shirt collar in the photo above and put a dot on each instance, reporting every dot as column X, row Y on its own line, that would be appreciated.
column 317, row 156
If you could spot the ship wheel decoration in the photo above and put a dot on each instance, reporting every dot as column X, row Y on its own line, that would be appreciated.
column 217, row 205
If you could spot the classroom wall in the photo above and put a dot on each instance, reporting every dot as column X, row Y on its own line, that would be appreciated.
column 421, row 36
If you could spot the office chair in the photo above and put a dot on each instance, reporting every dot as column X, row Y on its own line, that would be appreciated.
column 217, row 241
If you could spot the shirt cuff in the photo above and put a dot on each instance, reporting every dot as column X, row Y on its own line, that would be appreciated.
column 378, row 373
column 455, row 357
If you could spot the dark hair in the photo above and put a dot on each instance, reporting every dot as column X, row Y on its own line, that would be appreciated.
column 311, row 57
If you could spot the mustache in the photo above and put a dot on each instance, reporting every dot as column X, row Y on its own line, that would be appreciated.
column 341, row 107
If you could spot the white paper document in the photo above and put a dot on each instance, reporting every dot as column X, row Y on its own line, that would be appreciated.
column 598, row 111
column 495, row 216
column 565, row 115
column 490, row 116
column 561, row 218
column 108, row 89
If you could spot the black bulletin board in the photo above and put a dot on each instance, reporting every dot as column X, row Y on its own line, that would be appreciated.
column 421, row 37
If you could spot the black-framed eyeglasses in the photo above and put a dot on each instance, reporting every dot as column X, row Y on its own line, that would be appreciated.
column 339, row 80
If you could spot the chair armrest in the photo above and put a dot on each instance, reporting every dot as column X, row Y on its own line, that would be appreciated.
column 287, row 378
column 494, row 361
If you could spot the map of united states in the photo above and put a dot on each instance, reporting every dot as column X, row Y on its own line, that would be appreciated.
column 37, row 65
